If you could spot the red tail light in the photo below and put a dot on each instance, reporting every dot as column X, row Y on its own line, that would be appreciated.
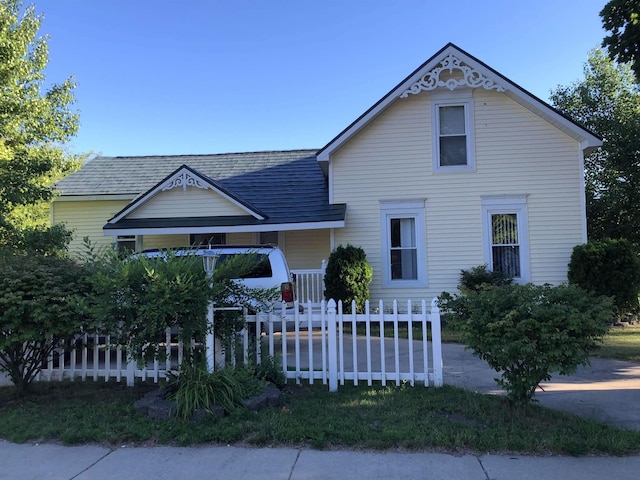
column 287, row 292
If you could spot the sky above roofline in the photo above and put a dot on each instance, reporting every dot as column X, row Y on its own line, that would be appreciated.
column 159, row 77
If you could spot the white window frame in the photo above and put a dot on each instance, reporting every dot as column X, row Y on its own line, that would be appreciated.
column 399, row 209
column 507, row 204
column 451, row 99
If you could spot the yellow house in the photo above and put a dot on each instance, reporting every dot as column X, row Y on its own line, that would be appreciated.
column 455, row 167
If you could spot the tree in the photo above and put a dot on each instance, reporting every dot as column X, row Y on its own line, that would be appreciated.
column 622, row 19
column 607, row 101
column 34, row 124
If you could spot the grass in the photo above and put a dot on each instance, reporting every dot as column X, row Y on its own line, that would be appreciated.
column 378, row 418
column 622, row 343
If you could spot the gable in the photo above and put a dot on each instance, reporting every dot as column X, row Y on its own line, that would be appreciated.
column 451, row 69
column 186, row 188
column 189, row 202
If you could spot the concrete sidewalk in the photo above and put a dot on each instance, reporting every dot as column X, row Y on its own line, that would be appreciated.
column 608, row 391
column 55, row 462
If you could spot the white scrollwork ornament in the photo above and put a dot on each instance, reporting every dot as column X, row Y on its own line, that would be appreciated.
column 184, row 180
column 469, row 77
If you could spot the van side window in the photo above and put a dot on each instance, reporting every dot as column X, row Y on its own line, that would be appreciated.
column 260, row 269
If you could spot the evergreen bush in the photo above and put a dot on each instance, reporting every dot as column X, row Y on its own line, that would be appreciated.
column 348, row 276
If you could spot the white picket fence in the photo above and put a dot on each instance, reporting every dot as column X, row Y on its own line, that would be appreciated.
column 322, row 344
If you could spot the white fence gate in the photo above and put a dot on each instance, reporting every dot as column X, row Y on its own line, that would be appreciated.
column 323, row 344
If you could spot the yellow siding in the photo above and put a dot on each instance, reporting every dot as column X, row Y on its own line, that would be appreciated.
column 194, row 202
column 87, row 219
column 306, row 249
column 516, row 152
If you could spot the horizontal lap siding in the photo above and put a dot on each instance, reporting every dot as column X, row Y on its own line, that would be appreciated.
column 165, row 241
column 516, row 152
column 528, row 155
column 194, row 202
column 305, row 249
column 87, row 218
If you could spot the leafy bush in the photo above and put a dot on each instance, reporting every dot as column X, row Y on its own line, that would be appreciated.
column 348, row 276
column 608, row 267
column 478, row 277
column 270, row 370
column 528, row 332
column 41, row 305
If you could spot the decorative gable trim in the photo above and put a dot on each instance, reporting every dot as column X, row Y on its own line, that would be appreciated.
column 443, row 75
column 185, row 176
column 184, row 179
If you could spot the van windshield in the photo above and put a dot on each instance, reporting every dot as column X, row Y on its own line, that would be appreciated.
column 261, row 267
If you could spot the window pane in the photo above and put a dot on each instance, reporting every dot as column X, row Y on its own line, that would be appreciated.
column 204, row 239
column 505, row 246
column 453, row 151
column 403, row 255
column 507, row 260
column 504, row 228
column 268, row 238
column 452, row 120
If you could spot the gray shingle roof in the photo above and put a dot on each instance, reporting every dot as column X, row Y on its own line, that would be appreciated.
column 288, row 186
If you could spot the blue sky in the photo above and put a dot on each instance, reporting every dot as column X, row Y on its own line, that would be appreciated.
column 197, row 76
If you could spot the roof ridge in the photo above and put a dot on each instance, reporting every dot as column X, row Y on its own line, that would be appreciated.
column 182, row 155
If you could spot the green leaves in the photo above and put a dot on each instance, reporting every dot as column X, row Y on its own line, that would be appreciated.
column 348, row 276
column 41, row 304
column 527, row 332
column 607, row 101
column 34, row 122
column 622, row 19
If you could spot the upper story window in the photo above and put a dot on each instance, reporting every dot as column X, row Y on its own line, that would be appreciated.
column 453, row 133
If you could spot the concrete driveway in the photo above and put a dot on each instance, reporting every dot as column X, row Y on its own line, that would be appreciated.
column 607, row 390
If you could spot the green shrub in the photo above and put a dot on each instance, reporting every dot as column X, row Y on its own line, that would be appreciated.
column 478, row 277
column 348, row 276
column 608, row 267
column 528, row 332
column 41, row 305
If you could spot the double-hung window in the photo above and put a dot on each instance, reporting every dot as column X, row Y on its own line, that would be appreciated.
column 403, row 243
column 506, row 237
column 453, row 133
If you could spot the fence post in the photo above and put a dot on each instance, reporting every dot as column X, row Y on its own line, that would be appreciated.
column 436, row 341
column 332, row 346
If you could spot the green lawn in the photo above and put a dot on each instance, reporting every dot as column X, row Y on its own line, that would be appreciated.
column 622, row 343
column 413, row 418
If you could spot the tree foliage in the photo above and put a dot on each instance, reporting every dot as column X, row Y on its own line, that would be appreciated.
column 34, row 124
column 607, row 101
column 608, row 267
column 41, row 305
column 621, row 18
column 527, row 332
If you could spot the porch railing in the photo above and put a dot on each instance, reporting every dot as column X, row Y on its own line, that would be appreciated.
column 310, row 284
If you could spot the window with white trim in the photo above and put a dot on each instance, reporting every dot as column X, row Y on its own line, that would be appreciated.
column 506, row 235
column 403, row 243
column 126, row 244
column 453, row 133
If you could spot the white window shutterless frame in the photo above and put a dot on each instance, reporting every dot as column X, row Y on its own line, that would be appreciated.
column 453, row 132
column 506, row 235
column 403, row 243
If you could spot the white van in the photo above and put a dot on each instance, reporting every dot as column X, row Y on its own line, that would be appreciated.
column 271, row 269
